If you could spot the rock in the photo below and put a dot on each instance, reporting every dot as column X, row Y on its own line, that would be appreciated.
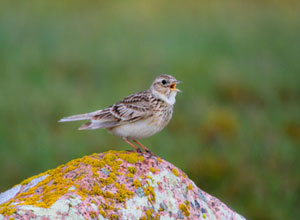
column 112, row 185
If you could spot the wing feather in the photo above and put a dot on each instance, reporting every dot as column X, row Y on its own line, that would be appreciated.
column 130, row 109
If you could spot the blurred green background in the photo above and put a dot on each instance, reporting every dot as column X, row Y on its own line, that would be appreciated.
column 236, row 127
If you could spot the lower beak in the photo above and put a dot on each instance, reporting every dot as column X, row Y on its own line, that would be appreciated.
column 173, row 87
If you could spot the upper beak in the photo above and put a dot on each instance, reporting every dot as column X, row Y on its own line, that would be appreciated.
column 173, row 86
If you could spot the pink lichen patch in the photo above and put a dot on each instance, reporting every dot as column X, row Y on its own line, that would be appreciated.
column 115, row 185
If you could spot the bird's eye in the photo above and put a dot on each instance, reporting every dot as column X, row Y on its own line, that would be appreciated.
column 163, row 82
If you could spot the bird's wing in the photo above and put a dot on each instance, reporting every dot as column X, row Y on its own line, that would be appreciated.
column 132, row 108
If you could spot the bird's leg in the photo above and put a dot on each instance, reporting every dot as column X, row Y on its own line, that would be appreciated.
column 142, row 146
column 132, row 145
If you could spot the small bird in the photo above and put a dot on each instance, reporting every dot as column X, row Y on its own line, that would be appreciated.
column 137, row 116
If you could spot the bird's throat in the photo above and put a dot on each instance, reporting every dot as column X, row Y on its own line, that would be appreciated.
column 168, row 98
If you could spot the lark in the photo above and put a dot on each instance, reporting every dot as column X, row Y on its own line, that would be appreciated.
column 137, row 116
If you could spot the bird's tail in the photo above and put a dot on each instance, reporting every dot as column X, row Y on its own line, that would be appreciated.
column 93, row 123
column 86, row 116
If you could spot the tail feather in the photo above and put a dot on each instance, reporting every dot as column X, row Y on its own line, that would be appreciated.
column 98, row 124
column 93, row 124
column 85, row 126
column 86, row 116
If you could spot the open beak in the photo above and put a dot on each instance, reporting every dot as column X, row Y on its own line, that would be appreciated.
column 173, row 86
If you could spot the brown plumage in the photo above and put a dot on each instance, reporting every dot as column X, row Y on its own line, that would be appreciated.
column 137, row 116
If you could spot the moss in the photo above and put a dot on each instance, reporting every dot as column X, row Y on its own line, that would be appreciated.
column 175, row 172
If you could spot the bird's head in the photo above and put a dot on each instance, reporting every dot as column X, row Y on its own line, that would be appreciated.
column 164, row 87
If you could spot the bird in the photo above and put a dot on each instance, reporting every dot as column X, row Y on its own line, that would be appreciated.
column 137, row 116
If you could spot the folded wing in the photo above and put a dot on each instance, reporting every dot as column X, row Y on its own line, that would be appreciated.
column 130, row 109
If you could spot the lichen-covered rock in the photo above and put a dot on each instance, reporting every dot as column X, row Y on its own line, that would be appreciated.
column 112, row 185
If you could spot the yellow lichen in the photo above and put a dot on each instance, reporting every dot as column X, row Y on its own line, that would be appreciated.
column 101, row 212
column 88, row 160
column 157, row 217
column 137, row 183
column 113, row 216
column 149, row 214
column 113, row 176
column 141, row 158
column 175, row 171
column 152, row 169
column 109, row 156
column 93, row 214
column 106, row 181
column 96, row 190
column 28, row 180
column 123, row 193
column 58, row 184
column 8, row 210
column 108, row 194
column 149, row 177
column 132, row 170
column 184, row 209
column 150, row 191
column 129, row 175
column 190, row 187
column 130, row 157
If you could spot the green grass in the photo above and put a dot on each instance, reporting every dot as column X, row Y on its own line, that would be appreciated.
column 235, row 129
